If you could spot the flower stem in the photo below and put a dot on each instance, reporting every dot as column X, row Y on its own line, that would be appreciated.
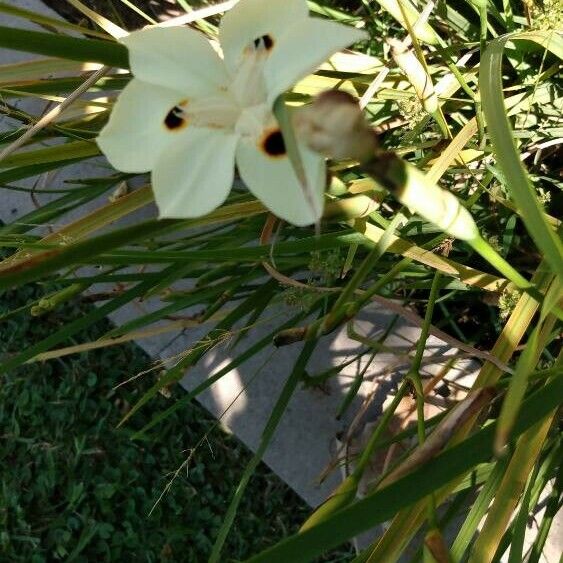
column 414, row 377
column 482, row 6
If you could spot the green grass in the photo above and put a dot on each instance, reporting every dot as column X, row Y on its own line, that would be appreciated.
column 75, row 488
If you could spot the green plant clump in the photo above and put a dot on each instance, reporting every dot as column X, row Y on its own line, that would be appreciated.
column 439, row 197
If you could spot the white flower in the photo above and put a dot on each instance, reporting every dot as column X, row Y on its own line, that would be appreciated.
column 189, row 115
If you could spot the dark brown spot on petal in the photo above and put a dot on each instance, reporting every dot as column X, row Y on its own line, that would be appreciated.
column 175, row 119
column 265, row 41
column 273, row 144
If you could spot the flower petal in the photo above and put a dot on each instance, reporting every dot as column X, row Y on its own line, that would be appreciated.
column 136, row 134
column 176, row 57
column 302, row 49
column 252, row 19
column 194, row 176
column 271, row 178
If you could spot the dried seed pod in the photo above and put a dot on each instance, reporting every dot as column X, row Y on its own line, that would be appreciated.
column 416, row 74
column 333, row 125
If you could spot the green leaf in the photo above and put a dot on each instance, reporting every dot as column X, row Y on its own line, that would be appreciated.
column 73, row 48
column 502, row 138
column 68, row 151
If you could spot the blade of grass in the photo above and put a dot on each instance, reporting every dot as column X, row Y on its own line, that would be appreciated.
column 518, row 184
column 107, row 25
column 59, row 86
column 137, row 10
column 517, row 388
column 552, row 508
column 233, row 364
column 506, row 498
column 29, row 15
column 478, row 509
column 73, row 48
column 519, row 527
column 37, row 69
column 68, row 151
column 105, row 342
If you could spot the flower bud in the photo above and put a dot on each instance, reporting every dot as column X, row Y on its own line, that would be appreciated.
column 333, row 125
column 422, row 196
column 416, row 74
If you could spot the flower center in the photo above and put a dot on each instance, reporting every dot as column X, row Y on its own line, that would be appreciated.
column 248, row 86
column 253, row 121
column 241, row 107
column 215, row 112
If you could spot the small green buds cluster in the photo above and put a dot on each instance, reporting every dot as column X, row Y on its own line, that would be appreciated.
column 546, row 15
column 494, row 241
column 507, row 301
column 411, row 109
column 543, row 195
column 299, row 297
column 328, row 265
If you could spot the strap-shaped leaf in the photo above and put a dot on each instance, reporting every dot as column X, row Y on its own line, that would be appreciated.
column 500, row 132
column 73, row 48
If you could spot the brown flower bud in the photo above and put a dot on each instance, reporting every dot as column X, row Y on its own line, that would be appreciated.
column 334, row 125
